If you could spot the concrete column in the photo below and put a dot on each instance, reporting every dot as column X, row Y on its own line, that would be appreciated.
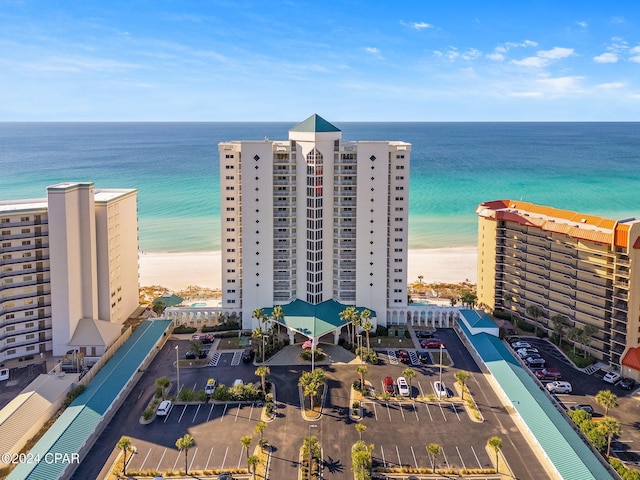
column 336, row 336
column 291, row 337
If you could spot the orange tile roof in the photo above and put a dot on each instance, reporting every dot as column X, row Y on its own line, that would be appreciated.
column 596, row 229
column 631, row 359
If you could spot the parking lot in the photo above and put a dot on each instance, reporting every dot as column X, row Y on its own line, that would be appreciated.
column 400, row 429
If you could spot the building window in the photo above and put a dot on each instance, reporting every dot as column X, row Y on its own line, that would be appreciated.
column 228, row 156
column 28, row 313
column 10, row 328
column 29, row 325
column 26, row 242
column 30, row 348
column 27, row 266
column 11, row 340
column 229, row 177
column 26, row 230
column 6, row 245
column 31, row 336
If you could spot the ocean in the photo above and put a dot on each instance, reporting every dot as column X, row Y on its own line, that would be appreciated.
column 587, row 167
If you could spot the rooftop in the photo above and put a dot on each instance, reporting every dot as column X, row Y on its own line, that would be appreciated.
column 315, row 123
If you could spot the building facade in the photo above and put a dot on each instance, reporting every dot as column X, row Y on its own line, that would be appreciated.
column 68, row 270
column 582, row 267
column 314, row 218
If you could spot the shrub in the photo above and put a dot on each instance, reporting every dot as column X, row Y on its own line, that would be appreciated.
column 231, row 325
column 73, row 394
column 381, row 331
column 147, row 414
column 158, row 392
column 187, row 395
column 184, row 329
column 319, row 354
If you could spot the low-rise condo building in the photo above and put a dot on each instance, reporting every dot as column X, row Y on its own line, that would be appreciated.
column 315, row 219
column 68, row 270
column 540, row 262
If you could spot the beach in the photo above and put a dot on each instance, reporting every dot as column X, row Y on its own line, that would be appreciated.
column 177, row 271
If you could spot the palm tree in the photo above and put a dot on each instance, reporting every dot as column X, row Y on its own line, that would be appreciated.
column 462, row 377
column 606, row 399
column 124, row 444
column 409, row 373
column 195, row 347
column 262, row 371
column 559, row 324
column 347, row 316
column 535, row 312
column 496, row 444
column 257, row 336
column 310, row 383
column 587, row 332
column 572, row 335
column 361, row 460
column 252, row 462
column 610, row 427
column 509, row 298
column 420, row 277
column 246, row 443
column 362, row 370
column 278, row 315
column 434, row 450
column 184, row 443
column 360, row 428
column 260, row 428
column 367, row 325
column 453, row 301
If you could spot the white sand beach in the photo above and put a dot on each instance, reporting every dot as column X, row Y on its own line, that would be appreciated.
column 177, row 271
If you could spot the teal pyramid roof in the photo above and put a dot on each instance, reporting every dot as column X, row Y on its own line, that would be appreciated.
column 315, row 123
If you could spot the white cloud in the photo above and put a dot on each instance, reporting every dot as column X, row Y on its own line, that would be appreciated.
column 635, row 49
column 496, row 56
column 583, row 24
column 526, row 94
column 526, row 43
column 499, row 52
column 372, row 50
column 531, row 62
column 561, row 84
column 635, row 95
column 611, row 85
column 606, row 58
column 417, row 25
column 556, row 53
column 471, row 54
column 618, row 19
column 635, row 59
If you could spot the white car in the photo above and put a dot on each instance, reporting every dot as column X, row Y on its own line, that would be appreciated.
column 519, row 345
column 238, row 382
column 440, row 389
column 611, row 377
column 523, row 352
column 164, row 408
column 559, row 387
column 210, row 386
column 403, row 387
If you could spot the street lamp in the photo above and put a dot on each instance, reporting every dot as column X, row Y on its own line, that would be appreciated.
column 359, row 337
column 441, row 348
column 263, row 338
column 178, row 369
column 310, row 427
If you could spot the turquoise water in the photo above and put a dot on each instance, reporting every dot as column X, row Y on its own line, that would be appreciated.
column 589, row 167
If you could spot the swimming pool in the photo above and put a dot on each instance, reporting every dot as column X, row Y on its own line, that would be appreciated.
column 196, row 305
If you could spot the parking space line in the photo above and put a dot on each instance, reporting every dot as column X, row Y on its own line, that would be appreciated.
column 193, row 457
column 176, row 462
column 161, row 458
column 476, row 455
column 455, row 409
column 210, row 411
column 398, row 453
column 415, row 410
column 445, row 458
column 183, row 410
column 428, row 411
column 401, row 411
column 388, row 411
column 195, row 414
column 236, row 359
column 145, row 459
column 393, row 359
column 414, row 457
column 240, row 458
column 375, row 411
column 461, row 460
column 384, row 462
column 224, row 458
column 166, row 417
column 237, row 412
column 442, row 411
column 206, row 466
column 251, row 411
column 224, row 412
column 421, row 390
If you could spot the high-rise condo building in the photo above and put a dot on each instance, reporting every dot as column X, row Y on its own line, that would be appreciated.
column 68, row 270
column 540, row 262
column 314, row 219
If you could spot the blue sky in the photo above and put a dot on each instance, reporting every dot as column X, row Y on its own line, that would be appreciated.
column 348, row 61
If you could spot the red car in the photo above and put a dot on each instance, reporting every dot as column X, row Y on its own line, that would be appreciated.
column 549, row 374
column 202, row 337
column 308, row 345
column 431, row 343
column 403, row 356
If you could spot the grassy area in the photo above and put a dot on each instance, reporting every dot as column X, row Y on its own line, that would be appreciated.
column 233, row 343
column 391, row 342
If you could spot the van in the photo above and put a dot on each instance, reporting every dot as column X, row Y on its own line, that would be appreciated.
column 164, row 408
column 4, row 374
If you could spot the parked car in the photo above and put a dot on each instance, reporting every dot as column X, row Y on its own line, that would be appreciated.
column 202, row 337
column 513, row 340
column 586, row 408
column 559, row 387
column 611, row 377
column 308, row 345
column 225, row 476
column 520, row 344
column 627, row 383
column 190, row 355
column 403, row 387
column 210, row 386
column 204, row 353
column 248, row 355
column 431, row 343
column 548, row 374
column 424, row 334
column 424, row 357
column 238, row 382
column 403, row 356
column 440, row 389
column 388, row 385
column 535, row 363
column 163, row 408
column 4, row 374
column 524, row 351
column 528, row 356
